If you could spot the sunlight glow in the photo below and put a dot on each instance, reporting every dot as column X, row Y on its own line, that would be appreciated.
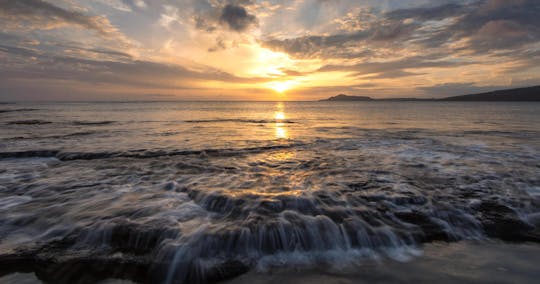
column 279, row 116
column 281, row 132
column 261, row 62
column 281, row 87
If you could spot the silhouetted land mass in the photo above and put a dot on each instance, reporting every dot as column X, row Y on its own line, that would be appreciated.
column 343, row 97
column 514, row 95
column 510, row 95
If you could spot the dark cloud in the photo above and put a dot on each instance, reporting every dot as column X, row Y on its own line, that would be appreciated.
column 343, row 45
column 220, row 45
column 435, row 13
column 19, row 51
column 485, row 26
column 313, row 46
column 202, row 24
column 394, row 68
column 237, row 18
column 41, row 14
column 114, row 54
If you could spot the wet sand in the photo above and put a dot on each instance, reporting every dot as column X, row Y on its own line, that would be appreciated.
column 463, row 262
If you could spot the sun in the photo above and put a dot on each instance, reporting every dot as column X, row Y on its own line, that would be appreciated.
column 281, row 86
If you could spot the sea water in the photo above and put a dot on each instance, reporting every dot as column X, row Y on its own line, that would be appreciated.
column 183, row 192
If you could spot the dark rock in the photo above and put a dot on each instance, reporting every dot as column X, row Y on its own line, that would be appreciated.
column 225, row 271
column 502, row 222
column 270, row 206
column 136, row 239
column 79, row 269
column 430, row 231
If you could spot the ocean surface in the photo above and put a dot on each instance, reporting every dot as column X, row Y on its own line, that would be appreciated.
column 187, row 192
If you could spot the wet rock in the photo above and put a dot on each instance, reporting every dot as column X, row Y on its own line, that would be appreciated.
column 412, row 200
column 301, row 204
column 217, row 202
column 91, row 270
column 502, row 222
column 228, row 270
column 363, row 185
column 62, row 269
column 223, row 271
column 136, row 239
column 337, row 214
column 372, row 218
column 430, row 231
column 270, row 206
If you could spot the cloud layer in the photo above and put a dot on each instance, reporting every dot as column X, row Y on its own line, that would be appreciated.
column 240, row 48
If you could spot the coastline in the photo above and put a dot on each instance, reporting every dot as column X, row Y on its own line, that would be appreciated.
column 460, row 262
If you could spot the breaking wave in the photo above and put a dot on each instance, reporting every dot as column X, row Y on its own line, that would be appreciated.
column 137, row 154
column 257, row 121
column 93, row 123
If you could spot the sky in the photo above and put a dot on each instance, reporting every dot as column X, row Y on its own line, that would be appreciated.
column 271, row 50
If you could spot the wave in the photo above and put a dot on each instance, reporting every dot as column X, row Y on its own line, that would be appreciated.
column 138, row 154
column 29, row 122
column 75, row 134
column 301, row 231
column 17, row 110
column 95, row 123
column 259, row 121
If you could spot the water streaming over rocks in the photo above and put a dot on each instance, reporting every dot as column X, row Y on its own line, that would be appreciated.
column 234, row 187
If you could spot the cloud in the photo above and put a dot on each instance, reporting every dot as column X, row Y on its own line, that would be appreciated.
column 202, row 24
column 434, row 13
column 170, row 16
column 116, row 4
column 314, row 46
column 220, row 45
column 140, row 3
column 395, row 68
column 482, row 25
column 361, row 47
column 125, row 72
column 124, row 5
column 38, row 14
column 457, row 89
column 237, row 18
column 343, row 45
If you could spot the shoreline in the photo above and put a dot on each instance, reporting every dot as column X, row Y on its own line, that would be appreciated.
column 459, row 262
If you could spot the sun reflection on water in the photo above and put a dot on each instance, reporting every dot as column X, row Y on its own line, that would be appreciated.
column 281, row 132
column 279, row 116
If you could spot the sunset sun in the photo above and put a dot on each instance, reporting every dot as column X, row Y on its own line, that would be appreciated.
column 281, row 87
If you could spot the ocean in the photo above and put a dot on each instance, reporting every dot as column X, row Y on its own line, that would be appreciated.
column 195, row 192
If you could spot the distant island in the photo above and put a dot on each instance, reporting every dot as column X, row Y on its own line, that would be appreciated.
column 515, row 95
column 343, row 98
column 509, row 95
